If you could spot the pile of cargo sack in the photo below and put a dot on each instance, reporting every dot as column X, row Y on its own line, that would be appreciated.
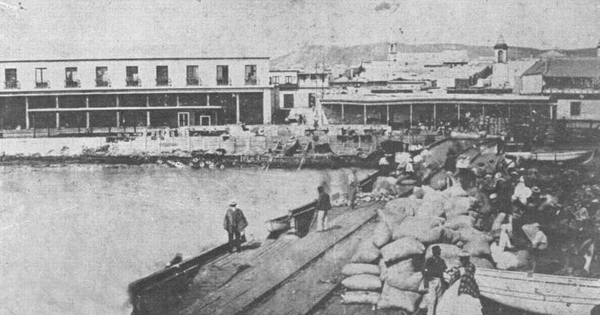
column 386, row 268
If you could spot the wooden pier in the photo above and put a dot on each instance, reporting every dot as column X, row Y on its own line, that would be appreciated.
column 289, row 275
column 283, row 276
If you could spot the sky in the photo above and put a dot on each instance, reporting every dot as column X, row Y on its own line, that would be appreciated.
column 112, row 28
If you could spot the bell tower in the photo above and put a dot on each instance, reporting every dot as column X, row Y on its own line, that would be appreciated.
column 500, row 51
column 393, row 52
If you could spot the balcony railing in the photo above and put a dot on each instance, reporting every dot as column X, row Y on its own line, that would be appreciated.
column 12, row 84
column 102, row 83
column 132, row 82
column 163, row 82
column 72, row 83
column 252, row 81
column 567, row 90
column 194, row 81
column 225, row 81
column 288, row 85
column 42, row 84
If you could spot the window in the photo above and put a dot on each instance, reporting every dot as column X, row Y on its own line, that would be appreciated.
column 575, row 108
column 192, row 75
column 313, row 77
column 102, row 77
column 131, row 76
column 288, row 101
column 71, row 79
column 162, row 76
column 312, row 100
column 500, row 56
column 40, row 81
column 289, row 79
column 250, row 75
column 10, row 78
column 275, row 80
column 222, row 75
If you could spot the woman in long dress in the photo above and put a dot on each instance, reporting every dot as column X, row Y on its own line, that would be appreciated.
column 463, row 295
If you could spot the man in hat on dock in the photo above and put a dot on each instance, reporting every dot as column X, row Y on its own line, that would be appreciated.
column 433, row 272
column 235, row 222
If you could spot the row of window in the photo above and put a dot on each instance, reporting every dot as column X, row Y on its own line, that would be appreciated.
column 302, row 77
column 288, row 80
column 131, row 77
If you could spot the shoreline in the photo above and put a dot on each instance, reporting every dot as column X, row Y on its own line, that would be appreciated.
column 194, row 162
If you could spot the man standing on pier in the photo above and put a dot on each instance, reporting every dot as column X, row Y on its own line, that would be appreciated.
column 323, row 205
column 235, row 222
column 433, row 272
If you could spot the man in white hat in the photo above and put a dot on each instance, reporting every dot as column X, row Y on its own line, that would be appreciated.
column 235, row 222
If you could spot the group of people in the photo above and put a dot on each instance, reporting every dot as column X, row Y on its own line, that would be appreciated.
column 438, row 277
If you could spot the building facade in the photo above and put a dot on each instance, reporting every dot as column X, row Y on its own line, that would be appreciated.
column 431, row 110
column 297, row 89
column 573, row 82
column 173, row 92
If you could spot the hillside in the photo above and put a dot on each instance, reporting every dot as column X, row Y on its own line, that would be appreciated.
column 311, row 55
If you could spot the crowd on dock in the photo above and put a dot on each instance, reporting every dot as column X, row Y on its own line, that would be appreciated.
column 459, row 218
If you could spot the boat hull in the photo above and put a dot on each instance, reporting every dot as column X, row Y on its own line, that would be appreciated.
column 274, row 226
column 541, row 294
column 571, row 157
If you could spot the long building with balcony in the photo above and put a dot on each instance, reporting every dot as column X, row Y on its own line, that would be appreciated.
column 123, row 92
column 574, row 83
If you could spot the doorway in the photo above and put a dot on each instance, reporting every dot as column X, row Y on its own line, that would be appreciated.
column 183, row 119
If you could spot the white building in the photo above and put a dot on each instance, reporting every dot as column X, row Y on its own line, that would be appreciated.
column 142, row 91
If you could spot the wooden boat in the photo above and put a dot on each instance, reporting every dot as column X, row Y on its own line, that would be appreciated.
column 278, row 225
column 569, row 157
column 539, row 293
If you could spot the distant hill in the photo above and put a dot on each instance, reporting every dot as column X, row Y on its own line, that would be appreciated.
column 311, row 55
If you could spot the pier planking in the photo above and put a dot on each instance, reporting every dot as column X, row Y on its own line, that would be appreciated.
column 264, row 274
column 300, row 294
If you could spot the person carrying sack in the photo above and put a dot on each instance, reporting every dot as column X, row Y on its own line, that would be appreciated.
column 235, row 222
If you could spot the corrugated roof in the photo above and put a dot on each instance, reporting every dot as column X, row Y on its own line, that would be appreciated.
column 566, row 67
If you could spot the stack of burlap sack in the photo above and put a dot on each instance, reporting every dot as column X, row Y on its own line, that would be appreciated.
column 408, row 228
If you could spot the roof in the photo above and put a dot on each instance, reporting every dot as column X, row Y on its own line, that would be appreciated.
column 146, row 51
column 566, row 67
column 284, row 70
column 551, row 54
column 501, row 44
column 378, row 99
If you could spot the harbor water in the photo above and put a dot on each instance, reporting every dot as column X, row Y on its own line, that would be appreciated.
column 73, row 237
